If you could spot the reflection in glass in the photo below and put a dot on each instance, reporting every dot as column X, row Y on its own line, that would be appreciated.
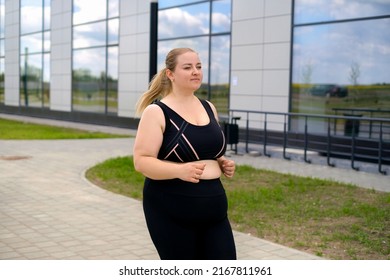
column 34, row 53
column 219, row 72
column 112, row 80
column 2, row 53
column 170, row 3
column 31, row 17
column 113, row 31
column 89, row 10
column 189, row 26
column 31, row 43
column 88, row 80
column 95, row 56
column 46, row 41
column 89, row 35
column 46, row 14
column 318, row 11
column 1, row 80
column 46, row 80
column 342, row 66
column 2, row 18
column 184, row 21
column 31, row 80
column 221, row 16
column 113, row 8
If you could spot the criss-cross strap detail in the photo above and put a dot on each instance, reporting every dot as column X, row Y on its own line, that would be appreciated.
column 184, row 142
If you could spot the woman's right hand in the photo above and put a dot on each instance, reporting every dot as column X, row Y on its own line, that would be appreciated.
column 192, row 171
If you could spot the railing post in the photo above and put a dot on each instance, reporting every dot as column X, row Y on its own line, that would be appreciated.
column 306, row 143
column 265, row 136
column 247, row 132
column 328, row 147
column 370, row 127
column 353, row 147
column 380, row 146
column 285, row 138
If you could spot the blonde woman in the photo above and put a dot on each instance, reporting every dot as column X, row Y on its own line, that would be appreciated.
column 180, row 148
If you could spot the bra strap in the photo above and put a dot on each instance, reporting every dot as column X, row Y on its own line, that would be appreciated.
column 161, row 105
column 209, row 111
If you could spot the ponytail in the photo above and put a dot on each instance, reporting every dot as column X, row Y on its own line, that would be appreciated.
column 159, row 87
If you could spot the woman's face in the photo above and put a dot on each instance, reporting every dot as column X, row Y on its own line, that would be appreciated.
column 188, row 73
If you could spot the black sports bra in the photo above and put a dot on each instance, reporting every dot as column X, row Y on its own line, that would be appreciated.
column 185, row 142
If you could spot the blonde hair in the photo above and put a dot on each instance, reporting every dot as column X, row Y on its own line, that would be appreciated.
column 160, row 86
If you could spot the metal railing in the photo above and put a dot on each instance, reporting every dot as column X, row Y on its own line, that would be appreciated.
column 356, row 138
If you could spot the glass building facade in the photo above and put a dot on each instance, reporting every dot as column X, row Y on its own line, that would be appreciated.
column 2, row 51
column 204, row 26
column 95, row 56
column 35, row 53
column 341, row 58
column 91, row 56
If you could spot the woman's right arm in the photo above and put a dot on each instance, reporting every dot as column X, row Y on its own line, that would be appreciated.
column 147, row 145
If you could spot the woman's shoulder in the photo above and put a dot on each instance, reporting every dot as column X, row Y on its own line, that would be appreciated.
column 211, row 105
column 154, row 113
column 153, row 110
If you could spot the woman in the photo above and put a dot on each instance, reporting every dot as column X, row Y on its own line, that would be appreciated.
column 179, row 148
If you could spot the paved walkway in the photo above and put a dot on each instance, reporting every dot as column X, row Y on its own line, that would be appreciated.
column 48, row 210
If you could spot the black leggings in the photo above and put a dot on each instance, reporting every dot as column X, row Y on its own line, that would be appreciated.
column 188, row 221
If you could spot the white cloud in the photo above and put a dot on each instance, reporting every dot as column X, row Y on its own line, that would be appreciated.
column 178, row 22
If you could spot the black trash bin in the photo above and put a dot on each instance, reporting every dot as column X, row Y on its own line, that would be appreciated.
column 352, row 126
column 231, row 132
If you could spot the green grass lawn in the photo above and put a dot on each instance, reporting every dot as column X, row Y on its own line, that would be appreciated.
column 325, row 218
column 17, row 130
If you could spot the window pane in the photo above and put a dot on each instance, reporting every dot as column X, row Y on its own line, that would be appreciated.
column 170, row 3
column 47, row 41
column 2, row 52
column 221, row 16
column 185, row 21
column 113, row 31
column 113, row 8
column 88, row 10
column 187, row 24
column 46, row 80
column 343, row 65
column 47, row 16
column 31, row 80
column 219, row 72
column 326, row 10
column 1, row 80
column 88, row 80
column 89, row 35
column 2, row 16
column 31, row 17
column 31, row 43
column 112, row 80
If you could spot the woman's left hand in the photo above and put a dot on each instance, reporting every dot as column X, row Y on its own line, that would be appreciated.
column 228, row 167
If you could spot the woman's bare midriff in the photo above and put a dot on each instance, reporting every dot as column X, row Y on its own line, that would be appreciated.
column 211, row 171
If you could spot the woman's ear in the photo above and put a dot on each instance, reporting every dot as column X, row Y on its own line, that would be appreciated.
column 169, row 75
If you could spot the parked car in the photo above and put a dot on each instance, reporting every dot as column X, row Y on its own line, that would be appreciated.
column 329, row 90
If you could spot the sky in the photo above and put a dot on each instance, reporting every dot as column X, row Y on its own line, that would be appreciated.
column 332, row 49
